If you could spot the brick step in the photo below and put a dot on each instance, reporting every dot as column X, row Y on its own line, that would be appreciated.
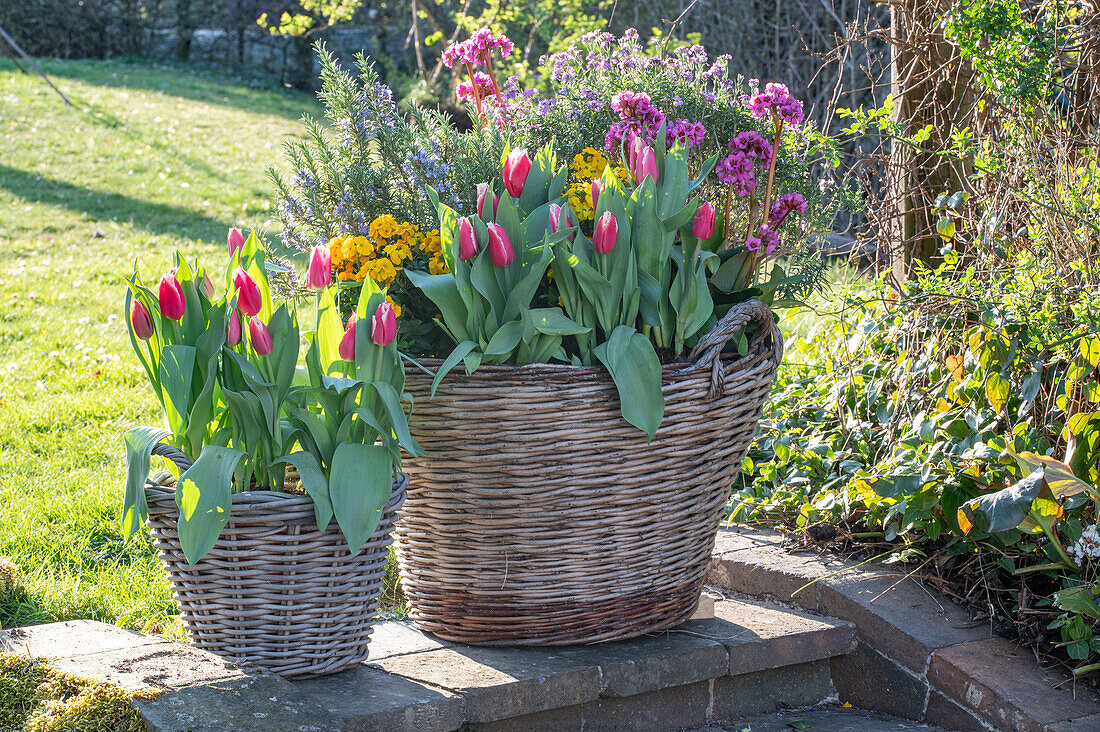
column 752, row 657
column 821, row 719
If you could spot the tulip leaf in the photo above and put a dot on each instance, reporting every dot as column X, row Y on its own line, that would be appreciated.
column 399, row 424
column 315, row 484
column 552, row 321
column 360, row 484
column 139, row 443
column 443, row 291
column 330, row 331
column 204, row 496
column 458, row 354
column 177, row 367
column 505, row 340
column 634, row 367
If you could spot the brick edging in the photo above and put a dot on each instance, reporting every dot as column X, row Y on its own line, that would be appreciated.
column 919, row 656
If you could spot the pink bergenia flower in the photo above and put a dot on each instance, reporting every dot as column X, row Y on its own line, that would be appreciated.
column 630, row 104
column 638, row 117
column 685, row 132
column 752, row 145
column 776, row 97
column 736, row 170
column 765, row 238
column 784, row 205
column 480, row 87
column 475, row 50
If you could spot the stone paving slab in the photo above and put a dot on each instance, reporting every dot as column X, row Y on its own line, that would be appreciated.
column 71, row 638
column 823, row 719
column 1001, row 683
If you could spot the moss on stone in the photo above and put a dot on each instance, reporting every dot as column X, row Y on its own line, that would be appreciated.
column 36, row 697
column 9, row 573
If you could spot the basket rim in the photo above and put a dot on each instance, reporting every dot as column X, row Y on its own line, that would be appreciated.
column 166, row 492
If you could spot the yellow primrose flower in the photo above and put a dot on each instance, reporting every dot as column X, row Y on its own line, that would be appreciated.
column 398, row 252
column 381, row 270
column 395, row 306
column 383, row 227
column 437, row 266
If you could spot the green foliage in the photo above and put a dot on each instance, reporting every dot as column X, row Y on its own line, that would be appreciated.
column 310, row 17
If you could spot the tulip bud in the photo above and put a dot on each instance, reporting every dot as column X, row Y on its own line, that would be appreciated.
column 347, row 343
column 140, row 320
column 703, row 226
column 383, row 326
column 482, row 194
column 260, row 338
column 319, row 275
column 569, row 224
column 645, row 163
column 637, row 145
column 170, row 294
column 605, row 234
column 555, row 217
column 501, row 251
column 234, row 336
column 248, row 294
column 467, row 242
column 207, row 286
column 235, row 241
column 596, row 188
column 516, row 167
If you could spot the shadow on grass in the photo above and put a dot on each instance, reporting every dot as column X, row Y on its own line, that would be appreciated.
column 198, row 83
column 155, row 218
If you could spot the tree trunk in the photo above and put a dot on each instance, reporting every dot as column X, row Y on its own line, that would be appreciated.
column 933, row 86
column 185, row 29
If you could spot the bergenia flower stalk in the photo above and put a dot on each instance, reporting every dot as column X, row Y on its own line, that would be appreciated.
column 347, row 343
column 501, row 251
column 319, row 276
column 467, row 242
column 605, row 233
column 383, row 326
column 170, row 295
column 259, row 337
column 141, row 320
column 517, row 165
column 249, row 299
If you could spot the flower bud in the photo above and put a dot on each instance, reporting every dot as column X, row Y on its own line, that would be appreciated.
column 347, row 343
column 596, row 188
column 703, row 226
column 260, row 338
column 645, row 164
column 233, row 337
column 235, row 241
column 555, row 217
column 605, row 234
column 516, row 167
column 501, row 251
column 383, row 326
column 319, row 275
column 170, row 295
column 207, row 286
column 141, row 320
column 482, row 194
column 637, row 145
column 467, row 243
column 248, row 294
column 569, row 224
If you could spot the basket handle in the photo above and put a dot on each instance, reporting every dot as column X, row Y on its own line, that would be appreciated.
column 708, row 352
column 176, row 455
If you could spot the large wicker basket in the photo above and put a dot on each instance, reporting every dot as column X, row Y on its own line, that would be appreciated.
column 540, row 517
column 275, row 592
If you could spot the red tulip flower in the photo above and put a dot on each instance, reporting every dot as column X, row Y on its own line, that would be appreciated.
column 555, row 218
column 383, row 326
column 637, row 145
column 645, row 164
column 207, row 286
column 516, row 167
column 596, row 188
column 319, row 275
column 501, row 251
column 261, row 339
column 172, row 302
column 467, row 242
column 141, row 320
column 234, row 335
column 248, row 294
column 605, row 234
column 235, row 241
column 347, row 343
column 703, row 226
column 482, row 194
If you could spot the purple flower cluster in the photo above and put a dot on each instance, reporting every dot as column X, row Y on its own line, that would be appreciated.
column 479, row 87
column 777, row 98
column 765, row 237
column 737, row 169
column 685, row 132
column 637, row 118
column 475, row 50
column 785, row 205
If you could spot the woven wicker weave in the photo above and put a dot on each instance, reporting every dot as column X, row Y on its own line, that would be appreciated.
column 274, row 591
column 540, row 517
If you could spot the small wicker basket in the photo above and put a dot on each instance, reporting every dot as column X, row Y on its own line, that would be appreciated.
column 275, row 592
column 540, row 517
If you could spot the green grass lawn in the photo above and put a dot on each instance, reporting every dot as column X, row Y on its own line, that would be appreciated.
column 149, row 160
